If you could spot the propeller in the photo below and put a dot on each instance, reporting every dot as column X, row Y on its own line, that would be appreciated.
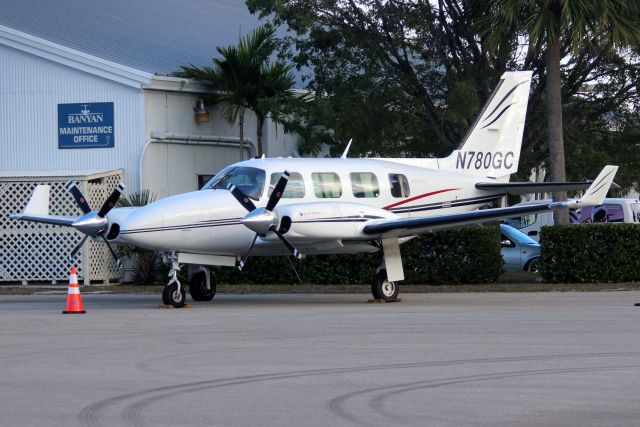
column 94, row 223
column 263, row 220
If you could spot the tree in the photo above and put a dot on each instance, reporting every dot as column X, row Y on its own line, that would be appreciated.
column 407, row 78
column 385, row 72
column 549, row 24
column 247, row 79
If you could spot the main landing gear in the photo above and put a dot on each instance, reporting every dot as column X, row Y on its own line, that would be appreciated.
column 202, row 287
column 382, row 288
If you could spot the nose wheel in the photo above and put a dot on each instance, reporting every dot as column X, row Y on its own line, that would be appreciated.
column 174, row 294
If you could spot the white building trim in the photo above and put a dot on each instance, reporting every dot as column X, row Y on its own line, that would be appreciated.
column 74, row 58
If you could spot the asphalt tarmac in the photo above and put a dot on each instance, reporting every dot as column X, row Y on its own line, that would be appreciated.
column 481, row 359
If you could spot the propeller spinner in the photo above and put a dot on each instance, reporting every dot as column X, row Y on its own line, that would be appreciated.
column 94, row 223
column 263, row 220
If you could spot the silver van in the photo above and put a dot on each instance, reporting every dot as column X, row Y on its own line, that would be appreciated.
column 613, row 210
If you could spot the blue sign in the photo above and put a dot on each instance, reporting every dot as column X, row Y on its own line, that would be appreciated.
column 85, row 125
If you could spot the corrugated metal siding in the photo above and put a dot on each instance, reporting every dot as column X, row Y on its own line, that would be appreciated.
column 31, row 89
column 149, row 35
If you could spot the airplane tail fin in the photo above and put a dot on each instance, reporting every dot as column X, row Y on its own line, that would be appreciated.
column 491, row 147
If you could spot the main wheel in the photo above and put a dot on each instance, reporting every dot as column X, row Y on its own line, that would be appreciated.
column 382, row 288
column 171, row 295
column 198, row 287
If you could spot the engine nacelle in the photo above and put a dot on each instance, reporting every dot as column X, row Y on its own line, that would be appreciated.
column 326, row 220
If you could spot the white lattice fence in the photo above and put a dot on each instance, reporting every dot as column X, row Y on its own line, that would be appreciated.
column 32, row 252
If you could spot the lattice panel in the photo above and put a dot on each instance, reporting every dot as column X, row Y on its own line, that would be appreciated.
column 38, row 252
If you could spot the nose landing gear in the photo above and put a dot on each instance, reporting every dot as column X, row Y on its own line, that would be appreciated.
column 174, row 294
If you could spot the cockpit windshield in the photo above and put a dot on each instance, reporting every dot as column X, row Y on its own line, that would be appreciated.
column 249, row 180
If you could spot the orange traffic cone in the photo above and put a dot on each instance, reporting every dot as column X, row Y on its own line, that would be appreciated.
column 74, row 300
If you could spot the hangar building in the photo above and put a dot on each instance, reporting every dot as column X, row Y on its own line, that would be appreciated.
column 85, row 95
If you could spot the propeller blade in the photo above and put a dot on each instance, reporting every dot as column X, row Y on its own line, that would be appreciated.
column 277, row 191
column 77, row 248
column 243, row 261
column 113, row 253
column 289, row 246
column 242, row 198
column 77, row 195
column 111, row 201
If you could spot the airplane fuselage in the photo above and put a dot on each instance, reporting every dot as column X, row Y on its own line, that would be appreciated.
column 338, row 195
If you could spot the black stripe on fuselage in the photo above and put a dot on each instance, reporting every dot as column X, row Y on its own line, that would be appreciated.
column 200, row 224
column 237, row 221
column 450, row 204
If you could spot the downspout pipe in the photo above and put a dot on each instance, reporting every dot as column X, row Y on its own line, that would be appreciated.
column 184, row 139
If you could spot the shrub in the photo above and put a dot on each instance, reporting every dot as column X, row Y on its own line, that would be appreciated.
column 467, row 255
column 590, row 253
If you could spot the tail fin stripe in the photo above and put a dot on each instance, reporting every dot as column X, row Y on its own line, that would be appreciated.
column 595, row 190
column 603, row 178
column 498, row 116
column 502, row 100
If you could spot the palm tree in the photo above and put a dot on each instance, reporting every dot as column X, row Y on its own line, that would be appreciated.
column 576, row 23
column 248, row 80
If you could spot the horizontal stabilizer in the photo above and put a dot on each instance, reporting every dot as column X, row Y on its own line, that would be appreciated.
column 532, row 187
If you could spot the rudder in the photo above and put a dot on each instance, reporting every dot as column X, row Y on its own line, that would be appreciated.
column 491, row 147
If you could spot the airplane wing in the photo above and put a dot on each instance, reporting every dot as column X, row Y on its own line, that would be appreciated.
column 37, row 209
column 405, row 227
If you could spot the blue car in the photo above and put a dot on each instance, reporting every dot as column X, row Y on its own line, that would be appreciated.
column 519, row 251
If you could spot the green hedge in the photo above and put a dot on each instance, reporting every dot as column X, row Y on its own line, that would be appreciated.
column 467, row 255
column 590, row 253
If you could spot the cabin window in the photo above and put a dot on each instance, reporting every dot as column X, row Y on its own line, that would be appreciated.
column 364, row 184
column 248, row 180
column 294, row 188
column 399, row 185
column 326, row 185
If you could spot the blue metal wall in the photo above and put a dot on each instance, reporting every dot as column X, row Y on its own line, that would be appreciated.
column 31, row 89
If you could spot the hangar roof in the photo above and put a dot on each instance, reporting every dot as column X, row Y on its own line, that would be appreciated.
column 87, row 174
column 148, row 35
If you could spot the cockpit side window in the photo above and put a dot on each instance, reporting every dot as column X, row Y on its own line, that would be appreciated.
column 248, row 180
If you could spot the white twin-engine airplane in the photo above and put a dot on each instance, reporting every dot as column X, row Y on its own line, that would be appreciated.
column 328, row 206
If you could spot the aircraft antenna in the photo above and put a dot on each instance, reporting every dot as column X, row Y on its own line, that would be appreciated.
column 346, row 150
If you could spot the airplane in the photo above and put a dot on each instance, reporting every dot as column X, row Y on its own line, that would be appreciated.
column 308, row 206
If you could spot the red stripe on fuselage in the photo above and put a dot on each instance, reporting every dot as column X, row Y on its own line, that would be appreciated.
column 419, row 197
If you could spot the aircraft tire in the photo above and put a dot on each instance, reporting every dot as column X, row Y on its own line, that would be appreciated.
column 198, row 287
column 171, row 296
column 383, row 289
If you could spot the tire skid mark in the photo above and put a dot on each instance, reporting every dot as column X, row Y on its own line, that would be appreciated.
column 378, row 402
column 91, row 415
